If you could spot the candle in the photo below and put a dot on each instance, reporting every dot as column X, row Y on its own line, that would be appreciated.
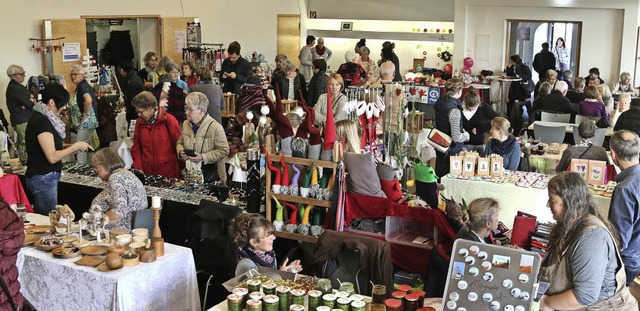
column 155, row 201
column 80, row 230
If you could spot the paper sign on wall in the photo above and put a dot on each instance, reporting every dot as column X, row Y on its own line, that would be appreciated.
column 71, row 52
column 181, row 40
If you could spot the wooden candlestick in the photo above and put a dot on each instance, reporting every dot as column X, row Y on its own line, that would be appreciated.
column 156, row 217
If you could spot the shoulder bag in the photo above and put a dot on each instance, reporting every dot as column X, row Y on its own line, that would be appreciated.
column 439, row 140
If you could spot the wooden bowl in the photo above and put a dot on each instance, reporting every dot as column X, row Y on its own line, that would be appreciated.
column 113, row 261
column 40, row 229
column 94, row 250
column 65, row 252
column 30, row 238
column 115, row 249
column 140, row 232
column 130, row 260
column 46, row 248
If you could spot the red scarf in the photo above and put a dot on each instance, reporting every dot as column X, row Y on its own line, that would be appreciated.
column 320, row 50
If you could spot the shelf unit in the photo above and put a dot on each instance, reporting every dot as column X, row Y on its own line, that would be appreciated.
column 276, row 158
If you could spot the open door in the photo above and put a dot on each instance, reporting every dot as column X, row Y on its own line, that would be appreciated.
column 289, row 36
column 174, row 36
column 73, row 30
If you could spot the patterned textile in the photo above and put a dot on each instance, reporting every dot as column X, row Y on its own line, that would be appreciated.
column 124, row 194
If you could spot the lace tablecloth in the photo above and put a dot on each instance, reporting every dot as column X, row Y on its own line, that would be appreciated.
column 169, row 283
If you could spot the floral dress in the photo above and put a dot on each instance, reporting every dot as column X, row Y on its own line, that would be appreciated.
column 124, row 194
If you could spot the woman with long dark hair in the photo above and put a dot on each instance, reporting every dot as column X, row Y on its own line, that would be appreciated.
column 583, row 265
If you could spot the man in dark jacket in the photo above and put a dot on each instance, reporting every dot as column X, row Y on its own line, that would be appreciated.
column 556, row 101
column 630, row 119
column 318, row 84
column 577, row 94
column 544, row 61
column 131, row 86
column 235, row 70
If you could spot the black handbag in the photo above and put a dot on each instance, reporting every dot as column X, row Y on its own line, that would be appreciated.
column 603, row 123
column 210, row 172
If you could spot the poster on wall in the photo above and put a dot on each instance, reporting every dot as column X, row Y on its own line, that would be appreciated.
column 71, row 52
column 193, row 33
column 181, row 40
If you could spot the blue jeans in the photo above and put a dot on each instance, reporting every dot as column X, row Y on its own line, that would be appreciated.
column 44, row 189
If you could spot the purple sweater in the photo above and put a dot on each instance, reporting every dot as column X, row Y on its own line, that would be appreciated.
column 592, row 109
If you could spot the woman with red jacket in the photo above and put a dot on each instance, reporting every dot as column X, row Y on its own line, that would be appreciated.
column 11, row 239
column 155, row 138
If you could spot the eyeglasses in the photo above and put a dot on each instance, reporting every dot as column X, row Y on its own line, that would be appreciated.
column 190, row 109
column 22, row 74
column 141, row 111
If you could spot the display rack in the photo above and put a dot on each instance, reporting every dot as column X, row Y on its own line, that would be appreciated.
column 276, row 158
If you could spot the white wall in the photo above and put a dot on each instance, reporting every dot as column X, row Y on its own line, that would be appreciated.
column 251, row 22
column 399, row 10
column 608, row 30
column 147, row 28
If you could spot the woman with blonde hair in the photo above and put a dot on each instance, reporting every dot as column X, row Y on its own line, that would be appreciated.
column 338, row 100
column 503, row 143
column 347, row 132
column 482, row 219
column 124, row 193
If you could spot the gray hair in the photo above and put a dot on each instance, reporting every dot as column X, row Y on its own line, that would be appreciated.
column 77, row 68
column 288, row 66
column 567, row 75
column 387, row 69
column 625, row 95
column 197, row 100
column 350, row 56
column 544, row 88
column 481, row 211
column 626, row 145
column 625, row 75
column 561, row 86
column 365, row 50
column 171, row 67
column 14, row 70
column 586, row 129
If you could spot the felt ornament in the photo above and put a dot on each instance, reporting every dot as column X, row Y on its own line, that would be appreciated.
column 329, row 131
column 361, row 112
column 318, row 216
column 307, row 212
column 324, row 181
column 305, row 180
column 285, row 172
column 301, row 211
column 296, row 175
column 277, row 179
column 282, row 123
column 315, row 138
column 293, row 219
column 314, row 176
column 278, row 223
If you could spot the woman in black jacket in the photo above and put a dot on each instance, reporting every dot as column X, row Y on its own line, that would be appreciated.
column 20, row 104
column 290, row 77
column 476, row 120
column 519, row 91
column 318, row 84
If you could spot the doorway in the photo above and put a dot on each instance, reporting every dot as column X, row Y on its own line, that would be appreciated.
column 289, row 36
column 525, row 37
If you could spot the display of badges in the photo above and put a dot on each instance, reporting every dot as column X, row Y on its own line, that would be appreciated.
column 489, row 277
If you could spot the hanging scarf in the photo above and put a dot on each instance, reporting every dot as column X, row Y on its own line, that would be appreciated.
column 267, row 259
column 503, row 147
column 55, row 120
column 320, row 50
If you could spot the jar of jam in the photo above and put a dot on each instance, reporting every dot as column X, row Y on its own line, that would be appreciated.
column 347, row 287
column 283, row 294
column 295, row 307
column 242, row 292
column 329, row 300
column 378, row 294
column 411, row 302
column 398, row 294
column 254, row 305
column 253, row 285
column 324, row 285
column 421, row 295
column 343, row 303
column 256, row 296
column 314, row 299
column 393, row 304
column 341, row 294
column 297, row 297
column 404, row 287
column 269, row 288
column 356, row 297
column 234, row 302
column 323, row 308
column 270, row 303
column 358, row 305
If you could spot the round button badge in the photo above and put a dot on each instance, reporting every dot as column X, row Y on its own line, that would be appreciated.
column 463, row 285
column 472, row 296
column 453, row 296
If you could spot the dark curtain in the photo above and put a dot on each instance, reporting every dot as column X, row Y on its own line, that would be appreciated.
column 118, row 48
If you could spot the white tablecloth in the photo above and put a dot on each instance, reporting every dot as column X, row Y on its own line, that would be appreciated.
column 511, row 198
column 169, row 283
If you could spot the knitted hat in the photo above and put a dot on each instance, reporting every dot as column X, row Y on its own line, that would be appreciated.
column 250, row 95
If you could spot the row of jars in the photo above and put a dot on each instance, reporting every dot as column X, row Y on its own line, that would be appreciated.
column 282, row 298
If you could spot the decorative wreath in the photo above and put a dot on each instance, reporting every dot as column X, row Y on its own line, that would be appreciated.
column 445, row 56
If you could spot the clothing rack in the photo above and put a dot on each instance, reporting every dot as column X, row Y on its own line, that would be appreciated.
column 209, row 55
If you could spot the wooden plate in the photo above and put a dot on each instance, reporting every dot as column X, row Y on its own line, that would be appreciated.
column 94, row 250
column 89, row 261
column 65, row 252
column 40, row 229
column 46, row 248
column 30, row 238
column 103, row 267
